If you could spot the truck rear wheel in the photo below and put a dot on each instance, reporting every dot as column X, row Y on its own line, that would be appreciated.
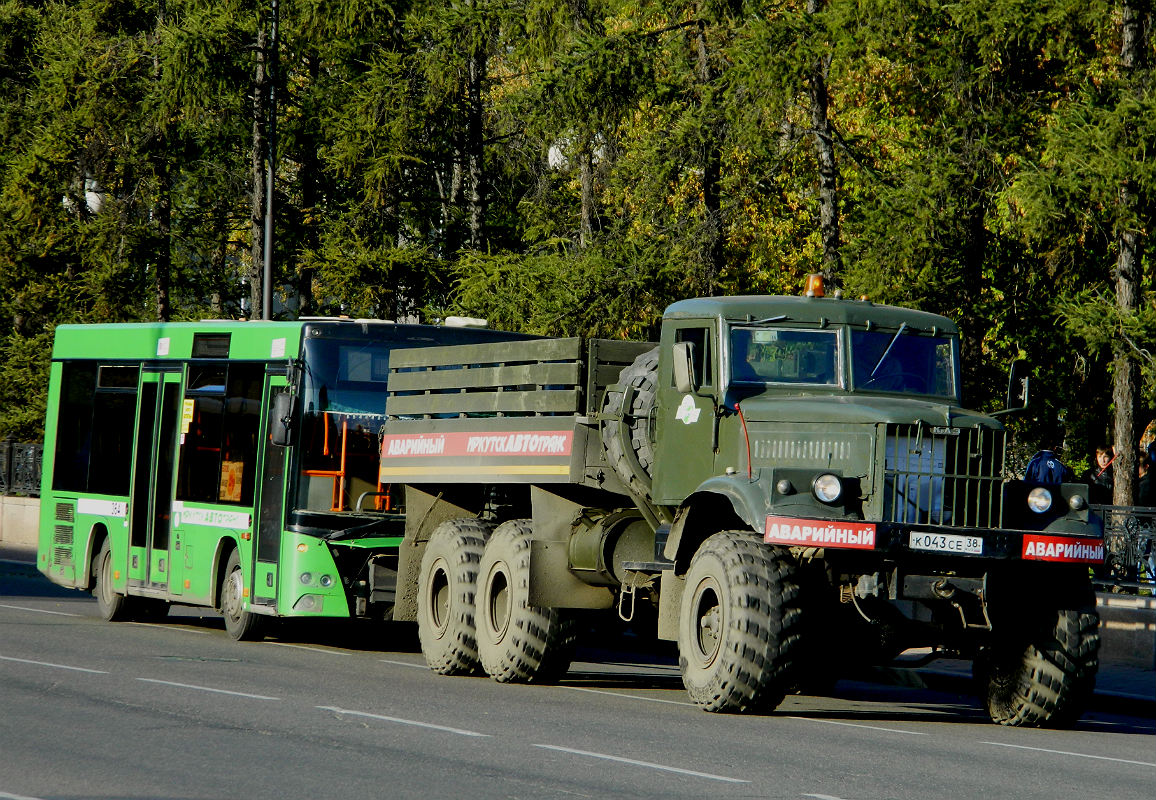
column 518, row 642
column 740, row 623
column 447, row 585
column 626, row 436
column 1043, row 674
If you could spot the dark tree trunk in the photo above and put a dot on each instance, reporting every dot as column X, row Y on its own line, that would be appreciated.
column 311, row 173
column 218, row 258
column 712, row 244
column 260, row 91
column 825, row 153
column 586, row 187
column 475, row 145
column 164, row 250
column 162, row 208
column 1125, row 385
column 1135, row 24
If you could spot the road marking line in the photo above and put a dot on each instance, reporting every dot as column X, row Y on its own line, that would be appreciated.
column 629, row 696
column 325, row 650
column 858, row 725
column 208, row 689
column 39, row 611
column 401, row 721
column 823, row 796
column 403, row 664
column 1078, row 755
column 169, row 628
column 57, row 666
column 636, row 763
column 6, row 796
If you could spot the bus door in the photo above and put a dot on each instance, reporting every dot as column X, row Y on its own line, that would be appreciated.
column 151, row 501
column 270, row 498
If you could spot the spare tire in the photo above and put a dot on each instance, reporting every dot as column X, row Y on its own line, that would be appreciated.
column 626, row 434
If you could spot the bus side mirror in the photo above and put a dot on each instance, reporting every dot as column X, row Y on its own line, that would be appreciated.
column 284, row 419
column 683, row 354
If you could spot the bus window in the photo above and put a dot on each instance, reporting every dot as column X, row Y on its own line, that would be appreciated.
column 94, row 429
column 219, row 448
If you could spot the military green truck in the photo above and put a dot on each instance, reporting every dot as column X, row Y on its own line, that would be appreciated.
column 787, row 486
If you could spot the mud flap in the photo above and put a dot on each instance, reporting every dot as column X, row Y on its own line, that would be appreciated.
column 553, row 585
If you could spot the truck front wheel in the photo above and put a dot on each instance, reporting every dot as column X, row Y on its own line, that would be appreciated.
column 518, row 642
column 445, row 600
column 1043, row 674
column 739, row 627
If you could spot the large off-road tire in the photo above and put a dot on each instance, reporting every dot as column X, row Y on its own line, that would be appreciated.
column 243, row 626
column 446, row 588
column 518, row 642
column 739, row 629
column 112, row 606
column 1042, row 673
column 626, row 434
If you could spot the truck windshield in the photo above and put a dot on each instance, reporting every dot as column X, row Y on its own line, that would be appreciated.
column 779, row 355
column 904, row 361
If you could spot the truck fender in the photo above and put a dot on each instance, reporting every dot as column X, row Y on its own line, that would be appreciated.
column 722, row 503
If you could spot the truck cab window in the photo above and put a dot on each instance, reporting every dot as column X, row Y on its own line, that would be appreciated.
column 775, row 355
column 700, row 338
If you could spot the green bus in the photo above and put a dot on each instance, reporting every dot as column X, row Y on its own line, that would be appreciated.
column 232, row 465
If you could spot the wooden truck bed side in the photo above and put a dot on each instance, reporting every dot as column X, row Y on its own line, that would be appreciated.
column 509, row 412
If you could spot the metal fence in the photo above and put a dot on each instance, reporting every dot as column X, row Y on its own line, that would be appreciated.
column 1130, row 547
column 20, row 467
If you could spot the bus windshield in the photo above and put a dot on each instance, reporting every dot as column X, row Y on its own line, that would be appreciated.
column 904, row 361
column 343, row 410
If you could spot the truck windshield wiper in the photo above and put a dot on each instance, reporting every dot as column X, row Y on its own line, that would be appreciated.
column 766, row 321
column 890, row 344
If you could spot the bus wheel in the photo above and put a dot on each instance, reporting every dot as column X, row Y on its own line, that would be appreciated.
column 445, row 600
column 113, row 607
column 518, row 642
column 244, row 626
column 740, row 624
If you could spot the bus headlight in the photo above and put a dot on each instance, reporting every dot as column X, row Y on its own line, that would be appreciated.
column 306, row 578
column 827, row 487
column 1039, row 499
column 326, row 581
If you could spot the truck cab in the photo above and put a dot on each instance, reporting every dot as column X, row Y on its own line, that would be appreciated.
column 825, row 410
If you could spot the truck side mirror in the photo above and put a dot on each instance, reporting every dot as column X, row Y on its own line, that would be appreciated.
column 683, row 364
column 1018, row 384
column 283, row 422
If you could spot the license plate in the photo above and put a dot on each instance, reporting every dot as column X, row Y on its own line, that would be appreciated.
column 945, row 543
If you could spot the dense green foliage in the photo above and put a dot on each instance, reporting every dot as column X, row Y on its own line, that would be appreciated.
column 572, row 166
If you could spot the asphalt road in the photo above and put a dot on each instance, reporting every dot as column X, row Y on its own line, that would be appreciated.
column 92, row 710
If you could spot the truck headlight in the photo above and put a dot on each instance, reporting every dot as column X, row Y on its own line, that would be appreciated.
column 827, row 487
column 1039, row 499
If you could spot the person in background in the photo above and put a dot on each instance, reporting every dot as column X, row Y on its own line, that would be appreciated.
column 1101, row 477
column 1047, row 468
column 1146, row 487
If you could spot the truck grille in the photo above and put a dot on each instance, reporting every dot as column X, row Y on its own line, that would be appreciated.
column 944, row 476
